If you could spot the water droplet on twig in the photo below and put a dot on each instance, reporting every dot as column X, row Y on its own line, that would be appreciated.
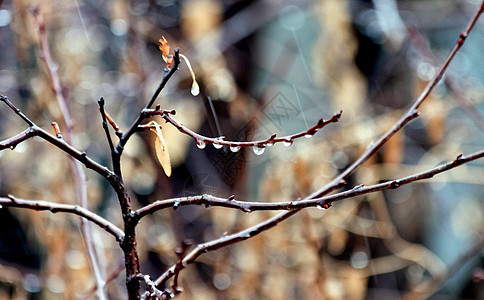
column 234, row 148
column 176, row 204
column 308, row 135
column 245, row 209
column 287, row 143
column 258, row 150
column 217, row 146
column 195, row 89
column 200, row 144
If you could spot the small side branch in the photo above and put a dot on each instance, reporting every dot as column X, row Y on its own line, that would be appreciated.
column 52, row 68
column 105, row 123
column 35, row 130
column 12, row 142
column 16, row 110
column 11, row 201
column 200, row 139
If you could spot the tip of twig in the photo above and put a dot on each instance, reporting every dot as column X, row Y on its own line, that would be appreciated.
column 101, row 101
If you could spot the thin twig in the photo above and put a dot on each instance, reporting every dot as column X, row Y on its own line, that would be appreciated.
column 52, row 69
column 16, row 110
column 82, row 157
column 166, row 114
column 105, row 123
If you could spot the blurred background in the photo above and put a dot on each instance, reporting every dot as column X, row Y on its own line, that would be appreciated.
column 263, row 67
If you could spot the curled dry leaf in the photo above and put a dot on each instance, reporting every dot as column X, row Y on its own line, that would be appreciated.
column 164, row 47
column 165, row 50
column 161, row 149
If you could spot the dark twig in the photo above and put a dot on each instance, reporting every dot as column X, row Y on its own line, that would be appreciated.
column 16, row 110
column 134, row 127
column 105, row 124
column 17, row 139
column 11, row 201
column 322, row 202
column 288, row 140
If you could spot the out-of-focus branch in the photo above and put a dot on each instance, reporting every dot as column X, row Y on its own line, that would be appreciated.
column 17, row 139
column 79, row 175
column 113, row 275
column 235, row 146
column 11, row 201
column 422, row 46
column 52, row 68
column 431, row 285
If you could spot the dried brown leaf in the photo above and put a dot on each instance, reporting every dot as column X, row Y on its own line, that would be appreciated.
column 161, row 149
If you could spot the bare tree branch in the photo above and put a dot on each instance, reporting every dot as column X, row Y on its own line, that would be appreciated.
column 11, row 201
column 323, row 202
column 202, row 140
